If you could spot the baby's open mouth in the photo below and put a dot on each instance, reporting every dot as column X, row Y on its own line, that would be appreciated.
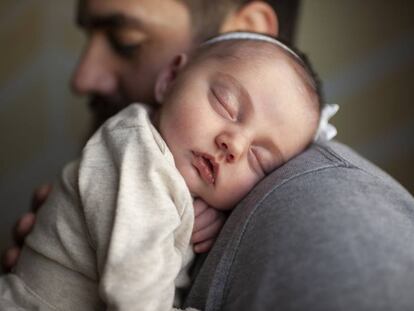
column 206, row 167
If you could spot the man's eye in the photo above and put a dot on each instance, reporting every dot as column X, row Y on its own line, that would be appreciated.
column 123, row 49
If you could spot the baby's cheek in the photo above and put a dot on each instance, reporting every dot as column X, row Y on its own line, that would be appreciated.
column 235, row 190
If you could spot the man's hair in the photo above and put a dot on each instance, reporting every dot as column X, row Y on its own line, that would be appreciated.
column 208, row 15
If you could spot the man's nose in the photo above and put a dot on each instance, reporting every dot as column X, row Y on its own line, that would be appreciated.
column 95, row 72
column 232, row 145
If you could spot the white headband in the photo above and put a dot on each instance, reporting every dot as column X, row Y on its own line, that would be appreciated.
column 240, row 35
column 325, row 131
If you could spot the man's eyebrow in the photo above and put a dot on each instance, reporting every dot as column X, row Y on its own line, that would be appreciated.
column 113, row 20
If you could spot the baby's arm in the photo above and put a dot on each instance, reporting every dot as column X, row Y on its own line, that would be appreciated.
column 138, row 216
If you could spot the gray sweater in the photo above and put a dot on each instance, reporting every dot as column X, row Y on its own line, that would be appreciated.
column 326, row 231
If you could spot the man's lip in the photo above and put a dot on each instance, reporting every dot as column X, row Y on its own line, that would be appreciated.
column 206, row 166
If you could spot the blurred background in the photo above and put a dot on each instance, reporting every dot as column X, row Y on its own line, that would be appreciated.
column 363, row 51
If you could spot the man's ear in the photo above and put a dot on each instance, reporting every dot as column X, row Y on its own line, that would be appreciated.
column 254, row 16
column 168, row 75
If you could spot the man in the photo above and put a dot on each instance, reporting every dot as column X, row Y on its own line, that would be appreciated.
column 326, row 231
column 129, row 42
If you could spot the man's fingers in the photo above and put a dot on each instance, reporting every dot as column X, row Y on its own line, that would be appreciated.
column 209, row 232
column 40, row 195
column 203, row 247
column 9, row 258
column 23, row 227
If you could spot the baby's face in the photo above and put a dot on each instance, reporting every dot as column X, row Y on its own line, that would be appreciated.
column 229, row 123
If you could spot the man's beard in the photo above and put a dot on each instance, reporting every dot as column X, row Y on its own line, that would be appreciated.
column 102, row 109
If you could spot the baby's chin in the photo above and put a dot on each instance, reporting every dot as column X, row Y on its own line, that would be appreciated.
column 222, row 204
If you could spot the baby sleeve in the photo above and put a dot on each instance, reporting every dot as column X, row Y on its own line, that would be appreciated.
column 138, row 213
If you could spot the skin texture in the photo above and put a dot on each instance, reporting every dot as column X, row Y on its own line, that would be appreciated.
column 244, row 114
column 128, row 42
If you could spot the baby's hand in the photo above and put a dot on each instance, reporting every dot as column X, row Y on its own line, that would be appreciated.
column 207, row 225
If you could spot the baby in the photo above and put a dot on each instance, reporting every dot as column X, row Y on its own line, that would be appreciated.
column 115, row 233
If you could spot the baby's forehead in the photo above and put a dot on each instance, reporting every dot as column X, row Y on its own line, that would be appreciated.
column 269, row 54
column 259, row 55
column 254, row 54
column 285, row 66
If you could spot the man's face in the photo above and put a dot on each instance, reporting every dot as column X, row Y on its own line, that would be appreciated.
column 128, row 42
column 229, row 123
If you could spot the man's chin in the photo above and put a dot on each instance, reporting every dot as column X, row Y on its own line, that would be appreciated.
column 102, row 110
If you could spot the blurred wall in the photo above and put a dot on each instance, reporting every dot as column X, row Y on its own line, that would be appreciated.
column 363, row 51
column 41, row 124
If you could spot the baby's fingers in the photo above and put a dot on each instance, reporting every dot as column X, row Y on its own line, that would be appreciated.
column 204, row 247
column 206, row 218
column 199, row 207
column 209, row 232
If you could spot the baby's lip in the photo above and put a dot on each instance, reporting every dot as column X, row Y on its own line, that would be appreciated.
column 206, row 166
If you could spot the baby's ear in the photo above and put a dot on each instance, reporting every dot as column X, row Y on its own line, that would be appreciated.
column 168, row 75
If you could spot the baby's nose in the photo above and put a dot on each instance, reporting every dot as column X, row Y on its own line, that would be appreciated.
column 233, row 147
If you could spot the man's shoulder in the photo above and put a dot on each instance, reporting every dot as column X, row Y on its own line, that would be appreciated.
column 329, row 181
column 320, row 228
column 336, row 161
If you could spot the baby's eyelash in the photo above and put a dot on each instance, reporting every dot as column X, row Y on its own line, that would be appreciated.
column 257, row 161
column 224, row 106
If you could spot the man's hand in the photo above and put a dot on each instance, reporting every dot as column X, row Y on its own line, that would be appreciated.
column 23, row 227
column 207, row 225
